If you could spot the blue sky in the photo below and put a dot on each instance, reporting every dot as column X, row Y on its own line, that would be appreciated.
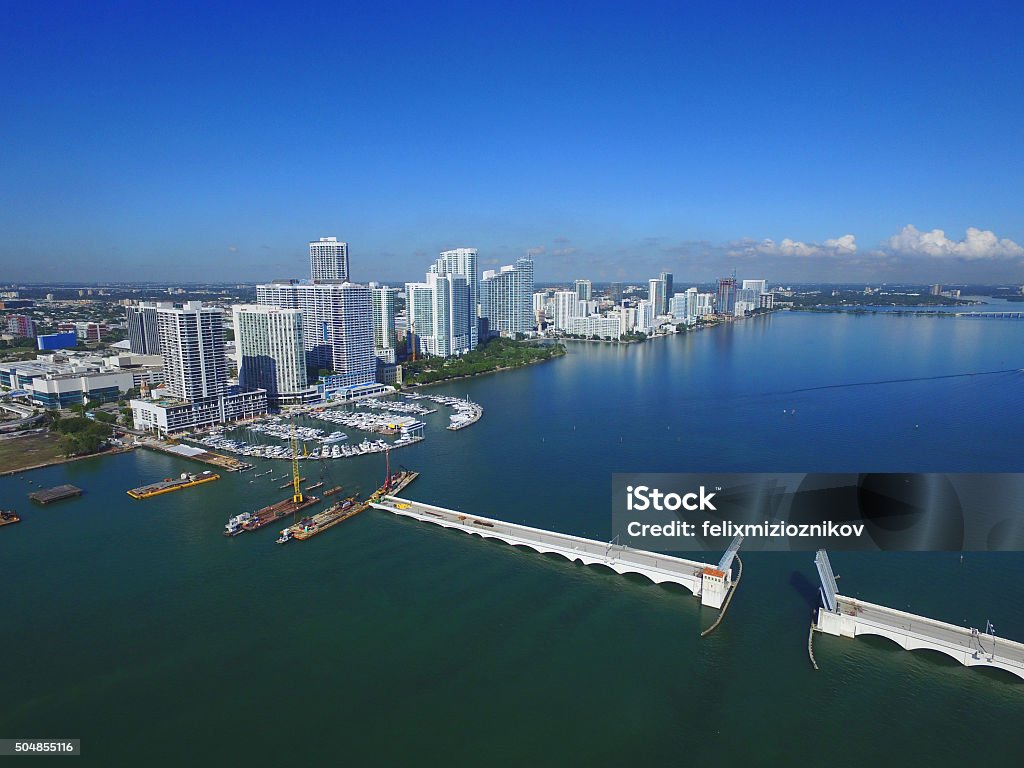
column 612, row 140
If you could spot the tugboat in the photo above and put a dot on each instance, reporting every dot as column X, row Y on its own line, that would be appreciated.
column 285, row 537
column 9, row 518
column 234, row 525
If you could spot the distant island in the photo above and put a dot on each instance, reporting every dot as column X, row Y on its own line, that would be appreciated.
column 497, row 354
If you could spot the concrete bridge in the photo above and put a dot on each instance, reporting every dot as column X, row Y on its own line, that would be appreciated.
column 847, row 617
column 993, row 315
column 707, row 581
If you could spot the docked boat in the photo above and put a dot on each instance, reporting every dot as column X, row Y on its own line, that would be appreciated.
column 9, row 517
column 234, row 525
column 332, row 491
column 314, row 486
column 285, row 537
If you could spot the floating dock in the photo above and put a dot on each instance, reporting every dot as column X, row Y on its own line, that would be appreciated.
column 167, row 486
column 332, row 491
column 57, row 493
column 196, row 454
column 9, row 518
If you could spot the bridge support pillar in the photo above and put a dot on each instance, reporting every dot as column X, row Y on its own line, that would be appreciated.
column 714, row 586
column 836, row 624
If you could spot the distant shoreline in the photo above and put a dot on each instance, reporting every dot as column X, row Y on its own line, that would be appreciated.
column 406, row 387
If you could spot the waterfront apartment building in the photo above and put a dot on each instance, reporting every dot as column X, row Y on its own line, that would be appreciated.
column 196, row 393
column 439, row 321
column 656, row 295
column 669, row 291
column 328, row 259
column 193, row 348
column 584, row 290
column 337, row 326
column 384, row 299
column 725, row 301
column 759, row 286
column 506, row 298
column 567, row 306
column 271, row 355
column 462, row 262
column 143, row 330
column 615, row 293
column 603, row 326
column 645, row 315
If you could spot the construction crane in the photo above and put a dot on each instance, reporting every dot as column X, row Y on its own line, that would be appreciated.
column 297, row 494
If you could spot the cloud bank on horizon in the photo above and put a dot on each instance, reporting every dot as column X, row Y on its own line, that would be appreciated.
column 908, row 255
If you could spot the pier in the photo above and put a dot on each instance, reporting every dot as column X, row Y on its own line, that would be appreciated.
column 709, row 582
column 847, row 617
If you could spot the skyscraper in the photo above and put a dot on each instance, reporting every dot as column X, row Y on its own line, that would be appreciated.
column 192, row 345
column 462, row 261
column 615, row 293
column 761, row 286
column 567, row 306
column 328, row 259
column 383, row 316
column 143, row 332
column 439, row 315
column 506, row 298
column 270, row 352
column 656, row 295
column 337, row 331
column 584, row 290
column 195, row 375
column 666, row 279
column 725, row 303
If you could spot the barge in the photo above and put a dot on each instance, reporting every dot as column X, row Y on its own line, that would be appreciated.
column 169, row 485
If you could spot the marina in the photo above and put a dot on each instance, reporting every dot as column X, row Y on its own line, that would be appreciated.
column 168, row 485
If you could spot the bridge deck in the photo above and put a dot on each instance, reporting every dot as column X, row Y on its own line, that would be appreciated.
column 968, row 646
column 657, row 567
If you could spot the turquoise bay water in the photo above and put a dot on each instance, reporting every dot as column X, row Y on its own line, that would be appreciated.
column 137, row 627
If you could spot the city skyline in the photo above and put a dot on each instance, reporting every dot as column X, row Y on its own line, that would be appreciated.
column 658, row 139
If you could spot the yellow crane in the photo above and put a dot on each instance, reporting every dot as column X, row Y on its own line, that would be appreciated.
column 297, row 495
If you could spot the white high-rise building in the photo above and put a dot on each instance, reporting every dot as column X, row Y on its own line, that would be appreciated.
column 506, row 298
column 462, row 262
column 193, row 348
column 584, row 290
column 328, row 259
column 656, row 294
column 567, row 306
column 645, row 317
column 337, row 332
column 195, row 375
column 383, row 316
column 760, row 286
column 438, row 315
column 271, row 356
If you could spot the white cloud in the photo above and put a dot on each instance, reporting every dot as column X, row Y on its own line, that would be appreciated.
column 977, row 244
column 839, row 246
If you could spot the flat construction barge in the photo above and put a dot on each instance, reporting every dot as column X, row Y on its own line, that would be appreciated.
column 275, row 512
column 343, row 510
column 9, row 518
column 57, row 493
column 167, row 486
